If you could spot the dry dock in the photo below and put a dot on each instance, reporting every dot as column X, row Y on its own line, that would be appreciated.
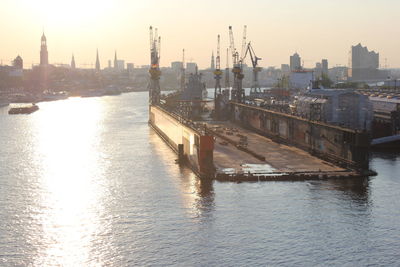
column 241, row 155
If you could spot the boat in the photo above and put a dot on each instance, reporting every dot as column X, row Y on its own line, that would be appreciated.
column 112, row 90
column 53, row 96
column 23, row 110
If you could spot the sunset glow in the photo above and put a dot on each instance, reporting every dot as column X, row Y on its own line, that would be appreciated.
column 315, row 29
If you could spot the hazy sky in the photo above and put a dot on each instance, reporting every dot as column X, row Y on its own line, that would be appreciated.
column 316, row 29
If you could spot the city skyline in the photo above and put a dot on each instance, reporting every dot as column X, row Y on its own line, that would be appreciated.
column 276, row 30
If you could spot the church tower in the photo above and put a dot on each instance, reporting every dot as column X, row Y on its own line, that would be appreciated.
column 73, row 62
column 97, row 61
column 44, row 55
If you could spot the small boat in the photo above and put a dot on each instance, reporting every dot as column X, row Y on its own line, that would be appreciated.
column 23, row 110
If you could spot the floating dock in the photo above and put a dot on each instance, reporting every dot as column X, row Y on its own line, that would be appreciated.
column 225, row 151
column 242, row 155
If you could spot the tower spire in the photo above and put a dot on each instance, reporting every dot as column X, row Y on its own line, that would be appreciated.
column 115, row 60
column 44, row 55
column 212, row 61
column 73, row 62
column 97, row 61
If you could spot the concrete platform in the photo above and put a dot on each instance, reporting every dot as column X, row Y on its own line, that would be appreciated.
column 263, row 158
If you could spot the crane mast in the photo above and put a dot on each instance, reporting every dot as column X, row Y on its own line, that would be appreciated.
column 244, row 41
column 227, row 83
column 217, row 77
column 155, row 73
column 237, row 89
column 217, row 71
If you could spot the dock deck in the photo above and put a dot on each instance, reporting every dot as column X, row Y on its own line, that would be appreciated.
column 242, row 155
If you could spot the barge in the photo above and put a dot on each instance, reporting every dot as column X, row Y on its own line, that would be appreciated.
column 23, row 110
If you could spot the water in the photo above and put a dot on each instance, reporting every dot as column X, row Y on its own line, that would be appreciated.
column 85, row 182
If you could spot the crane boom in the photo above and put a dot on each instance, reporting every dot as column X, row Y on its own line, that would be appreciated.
column 244, row 41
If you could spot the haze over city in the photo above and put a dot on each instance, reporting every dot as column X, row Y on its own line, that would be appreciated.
column 277, row 29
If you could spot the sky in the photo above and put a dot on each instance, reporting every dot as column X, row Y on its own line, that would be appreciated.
column 315, row 29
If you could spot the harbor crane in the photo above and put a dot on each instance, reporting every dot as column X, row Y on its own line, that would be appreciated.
column 155, row 73
column 255, row 87
column 238, row 94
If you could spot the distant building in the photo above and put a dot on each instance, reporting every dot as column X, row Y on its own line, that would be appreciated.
column 285, row 68
column 177, row 66
column 44, row 55
column 191, row 67
column 336, row 106
column 120, row 65
column 300, row 79
column 109, row 64
column 324, row 63
column 318, row 70
column 338, row 74
column 130, row 67
column 18, row 63
column 295, row 62
column 364, row 64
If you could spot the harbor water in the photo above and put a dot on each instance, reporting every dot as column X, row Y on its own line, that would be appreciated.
column 86, row 182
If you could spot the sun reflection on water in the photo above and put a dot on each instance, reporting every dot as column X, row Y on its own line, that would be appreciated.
column 68, row 151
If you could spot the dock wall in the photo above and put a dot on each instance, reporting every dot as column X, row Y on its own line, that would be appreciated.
column 340, row 145
column 196, row 147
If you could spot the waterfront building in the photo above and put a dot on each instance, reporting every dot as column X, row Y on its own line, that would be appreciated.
column 295, row 62
column 364, row 64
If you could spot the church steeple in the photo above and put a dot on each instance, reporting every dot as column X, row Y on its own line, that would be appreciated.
column 212, row 61
column 115, row 60
column 97, row 61
column 44, row 55
column 73, row 62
